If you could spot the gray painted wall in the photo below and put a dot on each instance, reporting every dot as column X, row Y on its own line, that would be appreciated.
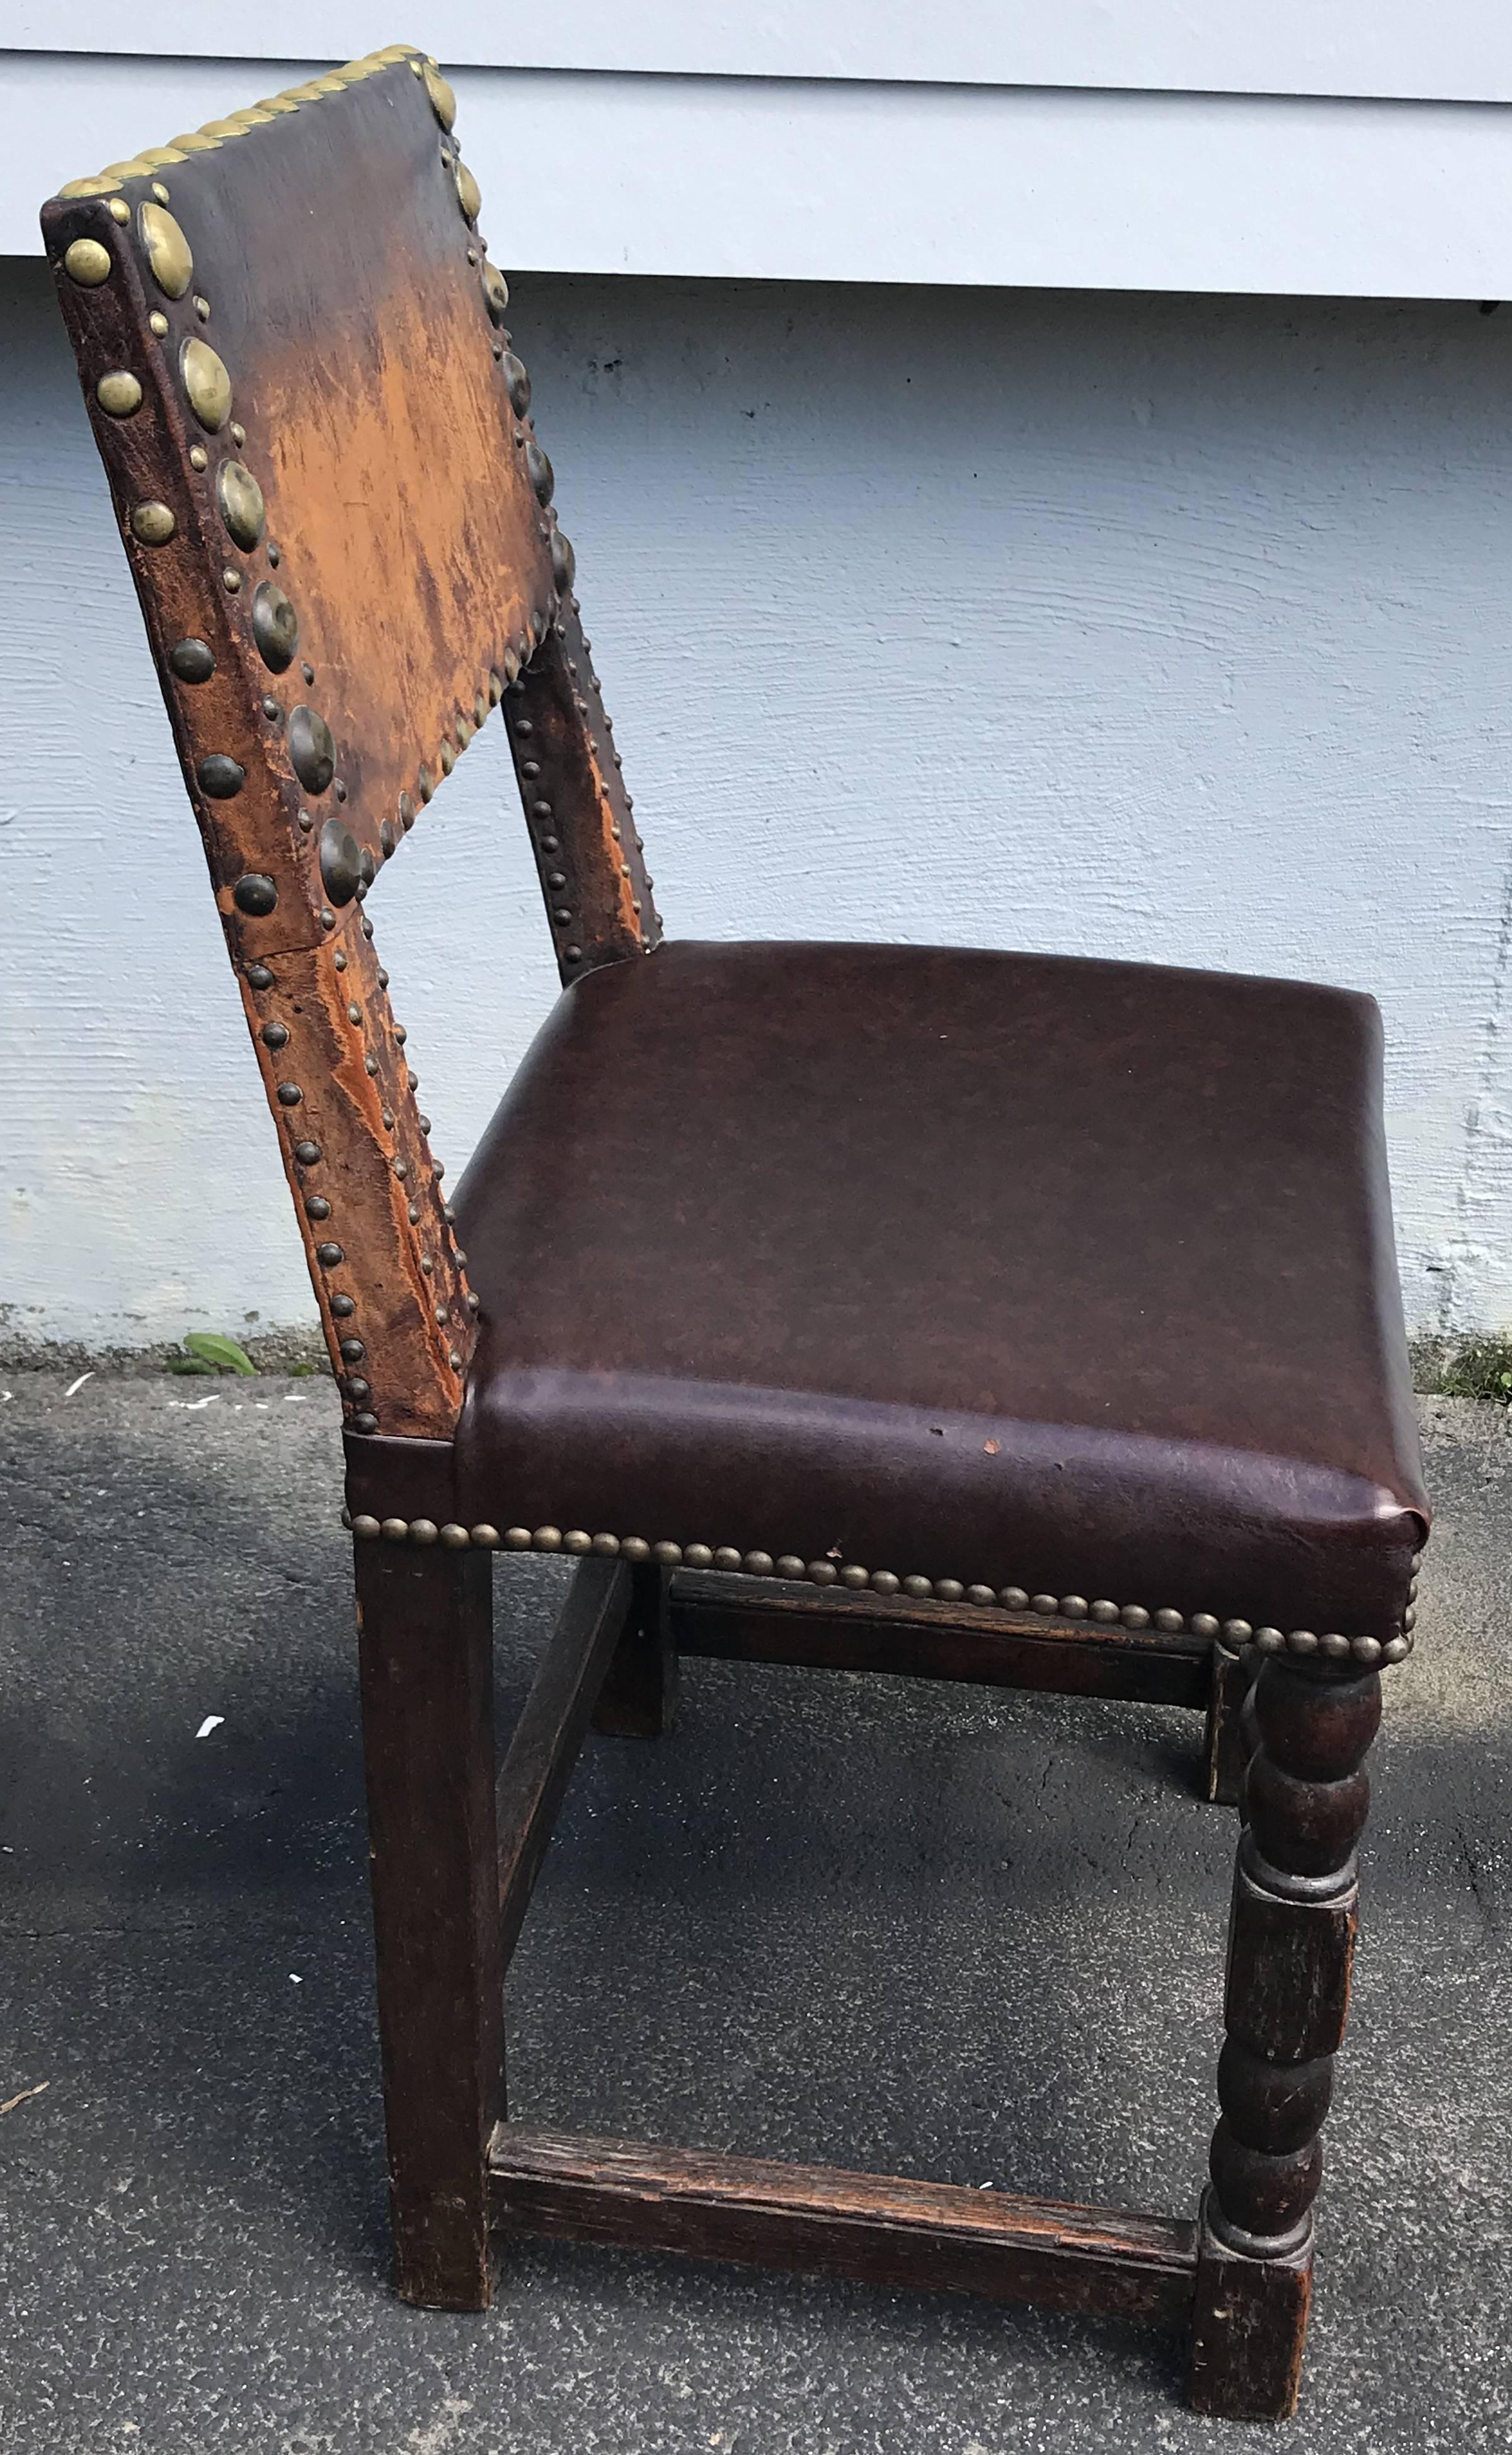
column 1157, row 627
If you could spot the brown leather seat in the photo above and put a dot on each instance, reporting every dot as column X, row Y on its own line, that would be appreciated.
column 1049, row 1277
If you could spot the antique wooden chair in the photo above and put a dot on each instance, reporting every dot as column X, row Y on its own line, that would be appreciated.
column 983, row 1316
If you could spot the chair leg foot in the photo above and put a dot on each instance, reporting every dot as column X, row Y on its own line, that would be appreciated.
column 639, row 1700
column 1249, row 2326
column 441, row 2257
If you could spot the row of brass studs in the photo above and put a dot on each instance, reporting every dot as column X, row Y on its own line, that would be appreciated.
column 1368, row 1650
column 542, row 811
column 217, row 132
column 345, row 869
column 274, row 1036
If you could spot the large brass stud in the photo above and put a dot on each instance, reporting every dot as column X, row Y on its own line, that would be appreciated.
column 196, row 142
column 340, row 862
column 495, row 292
column 192, row 661
column 160, row 157
column 312, row 748
column 168, row 252
column 119, row 210
column 443, row 101
column 241, row 502
column 119, row 395
column 100, row 186
column 153, row 523
column 221, row 128
column 258, row 896
column 539, row 471
column 564, row 562
column 207, row 384
column 87, row 263
column 518, row 382
column 426, row 783
column 134, row 169
column 275, row 627
column 469, row 195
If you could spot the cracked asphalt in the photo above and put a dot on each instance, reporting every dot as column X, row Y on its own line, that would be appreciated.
column 924, row 1930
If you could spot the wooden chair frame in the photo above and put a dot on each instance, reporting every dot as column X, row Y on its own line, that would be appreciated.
column 456, row 1841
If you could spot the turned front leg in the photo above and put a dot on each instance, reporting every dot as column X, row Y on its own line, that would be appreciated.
column 1291, row 1943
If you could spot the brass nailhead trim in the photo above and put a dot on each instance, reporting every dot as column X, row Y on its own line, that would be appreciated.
column 1367, row 1651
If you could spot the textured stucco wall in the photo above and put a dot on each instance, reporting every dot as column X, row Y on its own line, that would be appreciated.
column 1155, row 627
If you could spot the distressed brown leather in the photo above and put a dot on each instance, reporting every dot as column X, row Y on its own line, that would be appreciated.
column 1019, row 1270
column 347, row 299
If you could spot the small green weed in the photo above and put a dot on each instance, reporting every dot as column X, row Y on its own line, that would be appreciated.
column 208, row 1353
column 1482, row 1367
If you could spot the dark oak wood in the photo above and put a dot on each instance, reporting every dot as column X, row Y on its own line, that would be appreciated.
column 638, row 1698
column 938, row 2235
column 1291, row 1944
column 425, row 1652
column 1223, row 1750
column 1249, row 2328
column 753, row 1619
column 539, row 1763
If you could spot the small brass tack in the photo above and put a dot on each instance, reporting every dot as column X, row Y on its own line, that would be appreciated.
column 192, row 661
column 158, row 323
column 87, row 263
column 220, row 778
column 119, row 395
column 152, row 523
